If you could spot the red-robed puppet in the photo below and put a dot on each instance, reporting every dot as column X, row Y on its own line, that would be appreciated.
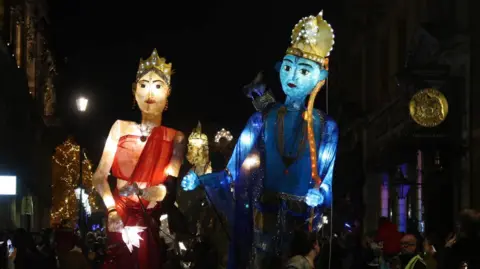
column 142, row 156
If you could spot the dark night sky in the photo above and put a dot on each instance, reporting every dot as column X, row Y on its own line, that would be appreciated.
column 216, row 47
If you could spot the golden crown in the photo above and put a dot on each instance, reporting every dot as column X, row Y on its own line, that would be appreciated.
column 155, row 63
column 313, row 39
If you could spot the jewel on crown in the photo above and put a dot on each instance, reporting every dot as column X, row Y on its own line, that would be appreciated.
column 312, row 38
column 155, row 62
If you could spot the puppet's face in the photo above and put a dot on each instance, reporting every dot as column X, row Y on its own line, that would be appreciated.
column 198, row 153
column 299, row 76
column 151, row 93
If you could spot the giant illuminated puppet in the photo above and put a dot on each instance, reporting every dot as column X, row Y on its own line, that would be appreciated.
column 198, row 156
column 281, row 169
column 143, row 157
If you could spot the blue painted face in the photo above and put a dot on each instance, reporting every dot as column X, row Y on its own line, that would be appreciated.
column 299, row 76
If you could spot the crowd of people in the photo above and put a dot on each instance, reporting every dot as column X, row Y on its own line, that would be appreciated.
column 52, row 249
column 385, row 248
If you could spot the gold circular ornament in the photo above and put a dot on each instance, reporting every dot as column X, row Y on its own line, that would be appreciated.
column 428, row 107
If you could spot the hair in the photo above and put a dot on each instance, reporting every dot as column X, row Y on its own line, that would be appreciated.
column 469, row 221
column 419, row 241
column 303, row 242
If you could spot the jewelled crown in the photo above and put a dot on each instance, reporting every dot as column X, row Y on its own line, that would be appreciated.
column 313, row 39
column 155, row 62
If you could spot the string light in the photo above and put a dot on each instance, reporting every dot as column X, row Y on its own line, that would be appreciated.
column 65, row 179
column 223, row 134
column 311, row 137
column 313, row 145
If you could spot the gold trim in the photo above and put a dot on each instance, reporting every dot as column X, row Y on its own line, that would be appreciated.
column 428, row 107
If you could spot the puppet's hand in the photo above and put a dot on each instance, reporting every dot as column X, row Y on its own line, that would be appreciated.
column 154, row 193
column 190, row 181
column 314, row 198
column 115, row 223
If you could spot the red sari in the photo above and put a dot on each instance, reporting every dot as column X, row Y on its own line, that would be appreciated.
column 149, row 169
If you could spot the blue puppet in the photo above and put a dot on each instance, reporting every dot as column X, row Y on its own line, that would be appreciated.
column 280, row 173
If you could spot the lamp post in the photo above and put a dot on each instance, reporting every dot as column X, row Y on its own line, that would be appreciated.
column 82, row 104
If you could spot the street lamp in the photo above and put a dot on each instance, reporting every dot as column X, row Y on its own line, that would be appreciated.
column 82, row 104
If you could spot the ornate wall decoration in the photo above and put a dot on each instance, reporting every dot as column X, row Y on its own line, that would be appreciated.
column 428, row 107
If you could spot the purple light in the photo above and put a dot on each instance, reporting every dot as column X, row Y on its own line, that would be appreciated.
column 402, row 206
column 421, row 226
column 384, row 196
column 402, row 216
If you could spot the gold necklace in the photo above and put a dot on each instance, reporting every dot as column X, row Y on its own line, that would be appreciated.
column 287, row 160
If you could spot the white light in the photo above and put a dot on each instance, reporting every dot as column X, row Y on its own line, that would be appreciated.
column 163, row 217
column 82, row 104
column 223, row 134
column 182, row 246
column 85, row 202
column 325, row 220
column 131, row 237
column 8, row 185
column 252, row 161
column 246, row 138
column 197, row 142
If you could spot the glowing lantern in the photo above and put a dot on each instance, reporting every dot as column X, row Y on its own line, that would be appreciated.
column 223, row 134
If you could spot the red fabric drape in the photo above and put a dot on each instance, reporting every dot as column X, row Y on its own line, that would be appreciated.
column 150, row 169
column 151, row 164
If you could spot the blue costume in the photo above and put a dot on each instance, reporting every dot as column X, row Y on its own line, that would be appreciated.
column 268, row 188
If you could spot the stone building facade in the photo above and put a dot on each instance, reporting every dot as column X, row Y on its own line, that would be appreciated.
column 28, row 103
column 389, row 51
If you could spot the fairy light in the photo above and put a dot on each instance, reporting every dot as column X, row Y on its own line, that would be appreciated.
column 223, row 134
column 311, row 134
column 311, row 141
column 65, row 169
column 252, row 161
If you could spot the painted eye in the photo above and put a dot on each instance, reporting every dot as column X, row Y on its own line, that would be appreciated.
column 305, row 72
column 142, row 85
column 158, row 86
column 286, row 68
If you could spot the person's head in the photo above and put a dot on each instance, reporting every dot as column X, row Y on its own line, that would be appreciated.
column 299, row 76
column 305, row 243
column 409, row 244
column 152, row 86
column 428, row 246
column 469, row 223
column 306, row 61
